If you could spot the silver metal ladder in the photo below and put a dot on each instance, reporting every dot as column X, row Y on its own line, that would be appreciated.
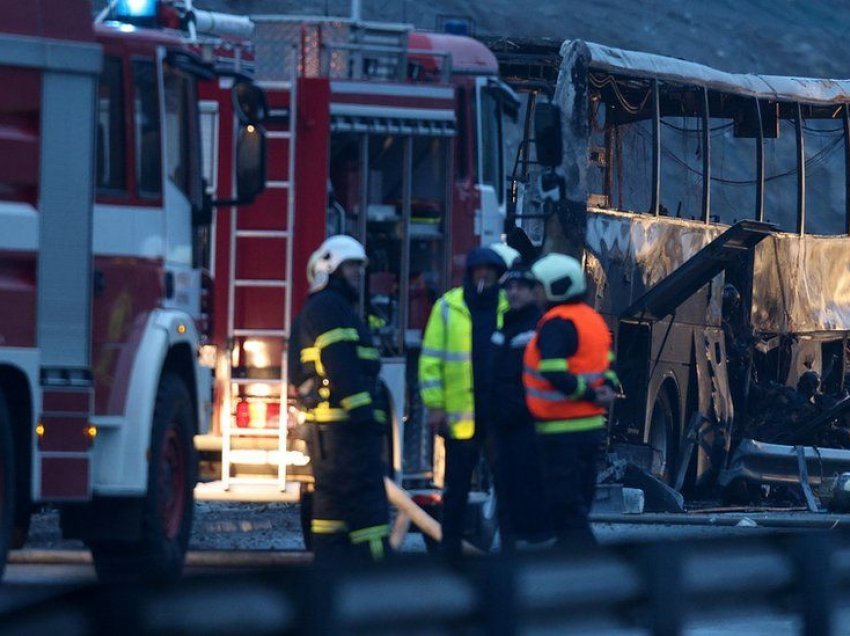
column 229, row 455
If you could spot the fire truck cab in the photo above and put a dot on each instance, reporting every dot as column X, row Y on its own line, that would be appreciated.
column 392, row 136
column 105, row 222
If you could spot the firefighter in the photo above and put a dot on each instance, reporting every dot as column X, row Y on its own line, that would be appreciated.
column 451, row 372
column 519, row 486
column 334, row 370
column 569, row 385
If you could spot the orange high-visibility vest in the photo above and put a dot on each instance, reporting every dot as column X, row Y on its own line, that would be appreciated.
column 591, row 363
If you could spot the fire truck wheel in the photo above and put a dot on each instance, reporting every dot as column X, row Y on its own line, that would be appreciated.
column 305, row 510
column 168, row 506
column 23, row 501
column 21, row 531
column 7, row 483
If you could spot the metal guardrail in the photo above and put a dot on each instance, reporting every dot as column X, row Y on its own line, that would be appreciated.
column 656, row 587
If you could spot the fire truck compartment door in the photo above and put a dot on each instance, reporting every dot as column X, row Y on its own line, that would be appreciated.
column 65, row 209
column 663, row 299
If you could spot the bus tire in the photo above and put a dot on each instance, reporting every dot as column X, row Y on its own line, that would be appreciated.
column 7, row 483
column 662, row 438
column 168, row 507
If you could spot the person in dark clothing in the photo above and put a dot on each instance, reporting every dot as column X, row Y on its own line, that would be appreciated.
column 569, row 385
column 334, row 369
column 519, row 484
column 452, row 367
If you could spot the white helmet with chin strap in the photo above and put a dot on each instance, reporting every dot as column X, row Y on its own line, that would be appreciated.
column 508, row 254
column 328, row 258
column 562, row 277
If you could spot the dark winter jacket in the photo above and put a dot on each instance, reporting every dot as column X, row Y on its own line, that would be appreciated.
column 483, row 310
column 506, row 394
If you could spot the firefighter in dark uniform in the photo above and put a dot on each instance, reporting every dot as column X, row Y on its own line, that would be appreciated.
column 519, row 485
column 334, row 368
column 569, row 385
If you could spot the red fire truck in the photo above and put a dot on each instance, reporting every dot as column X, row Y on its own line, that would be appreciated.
column 387, row 134
column 105, row 222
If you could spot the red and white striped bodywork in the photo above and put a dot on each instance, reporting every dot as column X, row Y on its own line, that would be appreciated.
column 353, row 107
column 97, row 278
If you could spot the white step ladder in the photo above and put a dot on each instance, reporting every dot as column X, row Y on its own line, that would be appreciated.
column 229, row 455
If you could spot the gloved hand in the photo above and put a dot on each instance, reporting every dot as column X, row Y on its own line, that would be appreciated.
column 603, row 395
column 612, row 381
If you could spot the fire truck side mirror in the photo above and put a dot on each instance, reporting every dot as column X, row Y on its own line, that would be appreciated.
column 250, row 163
column 547, row 134
column 202, row 215
column 249, row 103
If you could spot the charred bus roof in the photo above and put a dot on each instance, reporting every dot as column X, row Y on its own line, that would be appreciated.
column 651, row 66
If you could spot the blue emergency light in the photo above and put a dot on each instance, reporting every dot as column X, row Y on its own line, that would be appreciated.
column 141, row 12
column 456, row 26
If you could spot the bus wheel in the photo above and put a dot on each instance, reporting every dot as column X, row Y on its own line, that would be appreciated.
column 662, row 438
column 7, row 483
column 168, row 506
column 305, row 510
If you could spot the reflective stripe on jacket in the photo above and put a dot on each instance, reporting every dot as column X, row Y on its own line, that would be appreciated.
column 333, row 363
column 554, row 411
column 445, row 364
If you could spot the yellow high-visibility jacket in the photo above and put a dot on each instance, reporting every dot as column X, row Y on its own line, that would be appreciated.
column 445, row 365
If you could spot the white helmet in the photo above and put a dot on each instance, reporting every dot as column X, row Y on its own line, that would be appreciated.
column 508, row 254
column 561, row 276
column 330, row 255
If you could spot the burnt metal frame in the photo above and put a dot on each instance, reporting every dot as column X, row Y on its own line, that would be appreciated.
column 801, row 170
column 706, row 158
column 845, row 116
column 759, row 164
column 655, row 206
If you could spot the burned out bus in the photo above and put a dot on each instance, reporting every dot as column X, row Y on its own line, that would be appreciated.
column 711, row 212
